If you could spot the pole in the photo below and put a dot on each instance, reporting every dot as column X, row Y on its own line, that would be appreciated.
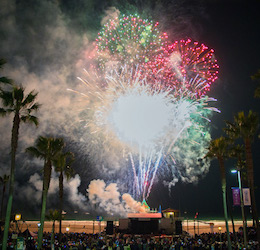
column 187, row 224
column 194, row 228
column 93, row 226
column 220, row 239
column 242, row 207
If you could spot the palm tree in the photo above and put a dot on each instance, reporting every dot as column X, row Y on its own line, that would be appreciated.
column 4, row 79
column 15, row 101
column 3, row 181
column 46, row 148
column 53, row 216
column 62, row 165
column 237, row 152
column 246, row 127
column 218, row 149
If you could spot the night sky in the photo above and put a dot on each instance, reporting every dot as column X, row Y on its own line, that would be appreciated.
column 46, row 45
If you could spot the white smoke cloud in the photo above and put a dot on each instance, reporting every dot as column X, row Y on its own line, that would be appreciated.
column 108, row 198
column 111, row 13
column 75, row 197
column 132, row 204
column 33, row 190
column 43, row 54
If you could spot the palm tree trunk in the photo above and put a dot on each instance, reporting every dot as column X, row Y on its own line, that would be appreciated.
column 14, row 144
column 224, row 192
column 2, row 202
column 52, row 234
column 231, row 217
column 61, row 199
column 43, row 211
column 250, row 175
column 46, row 184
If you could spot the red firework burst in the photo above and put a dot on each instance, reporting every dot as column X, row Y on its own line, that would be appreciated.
column 181, row 63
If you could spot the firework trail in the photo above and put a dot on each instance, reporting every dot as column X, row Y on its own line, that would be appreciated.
column 143, row 120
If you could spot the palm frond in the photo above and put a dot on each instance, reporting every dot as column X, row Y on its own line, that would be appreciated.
column 30, row 98
column 257, row 92
column 256, row 76
column 3, row 112
column 33, row 151
column 248, row 125
column 6, row 80
column 62, row 163
column 2, row 62
column 30, row 119
column 53, row 215
column 18, row 94
column 218, row 148
column 34, row 107
column 69, row 172
column 49, row 146
column 4, row 179
column 7, row 98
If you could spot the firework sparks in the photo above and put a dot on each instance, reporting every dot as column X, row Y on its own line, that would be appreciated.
column 143, row 120
column 128, row 40
column 182, row 62
column 154, row 109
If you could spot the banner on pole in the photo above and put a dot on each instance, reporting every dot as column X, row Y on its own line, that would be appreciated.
column 246, row 197
column 236, row 196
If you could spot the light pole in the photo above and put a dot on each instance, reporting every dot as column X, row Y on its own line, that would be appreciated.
column 242, row 204
column 220, row 239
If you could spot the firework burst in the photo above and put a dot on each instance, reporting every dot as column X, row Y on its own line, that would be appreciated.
column 128, row 40
column 145, row 122
column 153, row 113
column 183, row 62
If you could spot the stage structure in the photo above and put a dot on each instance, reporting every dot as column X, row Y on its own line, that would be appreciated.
column 152, row 222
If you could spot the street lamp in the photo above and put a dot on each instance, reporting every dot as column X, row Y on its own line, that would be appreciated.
column 17, row 218
column 234, row 171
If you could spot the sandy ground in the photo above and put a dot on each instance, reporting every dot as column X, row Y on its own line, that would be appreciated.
column 96, row 227
column 210, row 226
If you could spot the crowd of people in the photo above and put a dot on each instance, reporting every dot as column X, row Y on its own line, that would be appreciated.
column 118, row 241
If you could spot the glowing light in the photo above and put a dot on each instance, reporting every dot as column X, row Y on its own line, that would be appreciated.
column 18, row 217
column 132, row 116
column 128, row 40
column 145, row 121
column 182, row 61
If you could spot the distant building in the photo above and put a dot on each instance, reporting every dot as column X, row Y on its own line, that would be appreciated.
column 171, row 213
